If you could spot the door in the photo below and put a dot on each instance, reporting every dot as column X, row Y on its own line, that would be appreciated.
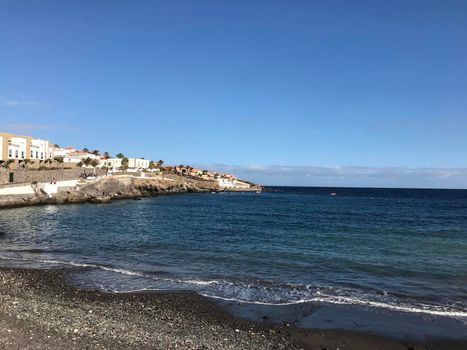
column 11, row 177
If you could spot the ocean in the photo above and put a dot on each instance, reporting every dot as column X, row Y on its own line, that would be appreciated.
column 391, row 250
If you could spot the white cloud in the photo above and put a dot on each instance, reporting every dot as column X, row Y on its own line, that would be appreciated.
column 6, row 102
column 21, row 128
column 9, row 103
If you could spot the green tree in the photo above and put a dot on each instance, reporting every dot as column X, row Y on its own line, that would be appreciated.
column 85, row 150
column 8, row 162
column 120, row 155
column 95, row 152
column 106, row 155
column 160, row 162
column 59, row 160
column 124, row 165
column 95, row 163
column 87, row 161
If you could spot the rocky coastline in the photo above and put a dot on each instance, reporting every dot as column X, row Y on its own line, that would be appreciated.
column 111, row 188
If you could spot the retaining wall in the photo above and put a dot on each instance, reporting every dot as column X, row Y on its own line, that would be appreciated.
column 30, row 175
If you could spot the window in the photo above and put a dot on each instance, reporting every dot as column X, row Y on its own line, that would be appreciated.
column 42, row 155
column 22, row 154
column 10, row 153
column 32, row 154
column 37, row 155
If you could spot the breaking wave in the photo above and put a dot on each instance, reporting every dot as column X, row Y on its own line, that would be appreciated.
column 251, row 292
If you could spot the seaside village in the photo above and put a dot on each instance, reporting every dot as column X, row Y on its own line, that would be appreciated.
column 22, row 156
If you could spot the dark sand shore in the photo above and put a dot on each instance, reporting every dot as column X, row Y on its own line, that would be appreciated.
column 38, row 310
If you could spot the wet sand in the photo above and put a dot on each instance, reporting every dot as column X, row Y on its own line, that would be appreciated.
column 39, row 310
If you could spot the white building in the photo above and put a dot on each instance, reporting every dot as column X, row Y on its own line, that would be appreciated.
column 61, row 152
column 17, row 146
column 39, row 149
column 114, row 163
column 138, row 163
column 232, row 183
column 78, row 156
column 134, row 164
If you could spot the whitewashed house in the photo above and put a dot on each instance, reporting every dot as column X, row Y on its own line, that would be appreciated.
column 78, row 156
column 17, row 147
column 113, row 163
column 134, row 164
column 138, row 164
column 39, row 150
column 231, row 183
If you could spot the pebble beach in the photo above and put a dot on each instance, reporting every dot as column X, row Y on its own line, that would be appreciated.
column 39, row 310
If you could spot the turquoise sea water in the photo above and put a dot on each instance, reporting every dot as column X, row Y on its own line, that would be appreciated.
column 401, row 250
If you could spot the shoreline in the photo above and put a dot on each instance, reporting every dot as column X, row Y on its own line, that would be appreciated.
column 109, row 189
column 40, row 310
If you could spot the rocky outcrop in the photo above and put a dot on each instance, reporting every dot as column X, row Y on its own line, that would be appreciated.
column 178, row 184
column 15, row 201
column 107, row 189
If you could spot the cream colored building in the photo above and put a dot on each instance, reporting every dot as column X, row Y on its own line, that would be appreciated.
column 19, row 148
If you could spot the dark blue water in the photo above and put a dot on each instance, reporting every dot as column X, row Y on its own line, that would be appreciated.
column 402, row 250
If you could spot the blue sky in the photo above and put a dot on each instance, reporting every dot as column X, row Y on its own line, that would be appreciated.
column 246, row 85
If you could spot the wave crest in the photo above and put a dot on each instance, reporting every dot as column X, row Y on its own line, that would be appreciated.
column 262, row 294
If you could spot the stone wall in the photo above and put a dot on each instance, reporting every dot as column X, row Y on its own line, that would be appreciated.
column 29, row 175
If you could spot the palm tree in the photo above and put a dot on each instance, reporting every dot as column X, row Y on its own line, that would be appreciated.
column 87, row 161
column 85, row 150
column 124, row 164
column 95, row 163
column 80, row 164
column 8, row 162
column 95, row 152
column 120, row 155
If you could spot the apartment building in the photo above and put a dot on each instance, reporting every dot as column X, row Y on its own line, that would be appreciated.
column 20, row 148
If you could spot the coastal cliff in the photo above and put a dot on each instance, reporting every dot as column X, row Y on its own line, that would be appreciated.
column 106, row 189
